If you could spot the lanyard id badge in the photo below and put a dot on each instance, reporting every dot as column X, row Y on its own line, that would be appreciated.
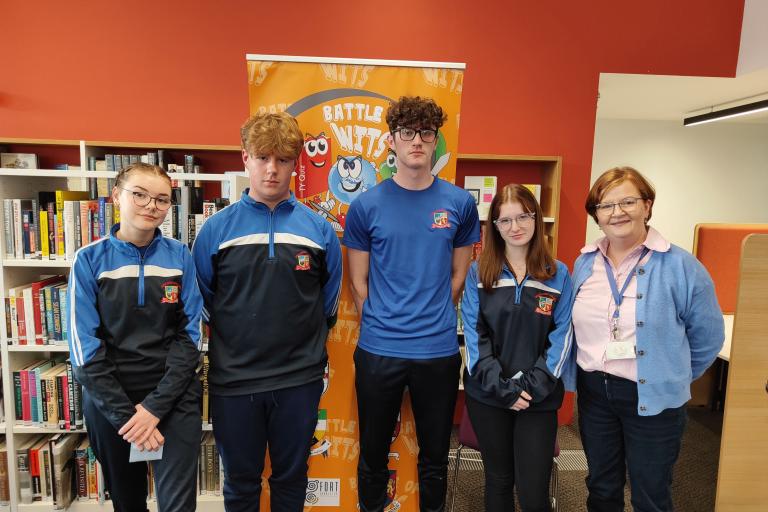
column 618, row 348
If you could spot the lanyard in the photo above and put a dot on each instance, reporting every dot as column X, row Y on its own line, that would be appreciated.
column 618, row 297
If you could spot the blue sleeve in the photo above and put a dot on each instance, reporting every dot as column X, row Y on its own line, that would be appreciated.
column 469, row 226
column 88, row 354
column 333, row 266
column 184, row 352
column 356, row 234
column 204, row 249
column 561, row 337
column 703, row 319
column 482, row 365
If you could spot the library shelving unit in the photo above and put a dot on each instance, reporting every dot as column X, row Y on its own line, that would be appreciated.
column 543, row 170
column 220, row 165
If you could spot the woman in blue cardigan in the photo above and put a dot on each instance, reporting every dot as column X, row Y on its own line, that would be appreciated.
column 646, row 323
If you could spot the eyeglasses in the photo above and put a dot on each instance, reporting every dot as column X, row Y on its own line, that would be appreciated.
column 142, row 199
column 426, row 134
column 627, row 205
column 505, row 223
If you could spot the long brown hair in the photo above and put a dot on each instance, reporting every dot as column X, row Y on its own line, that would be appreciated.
column 539, row 260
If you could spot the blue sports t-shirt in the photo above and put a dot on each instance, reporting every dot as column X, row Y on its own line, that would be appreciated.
column 410, row 236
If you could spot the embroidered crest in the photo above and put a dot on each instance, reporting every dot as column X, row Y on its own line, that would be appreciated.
column 440, row 219
column 302, row 261
column 544, row 303
column 170, row 292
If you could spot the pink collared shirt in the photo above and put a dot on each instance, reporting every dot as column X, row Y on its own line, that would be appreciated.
column 594, row 307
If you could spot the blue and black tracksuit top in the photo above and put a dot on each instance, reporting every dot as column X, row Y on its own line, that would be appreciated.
column 270, row 280
column 134, row 324
column 518, row 338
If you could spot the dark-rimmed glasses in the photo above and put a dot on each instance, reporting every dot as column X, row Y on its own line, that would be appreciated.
column 142, row 199
column 426, row 134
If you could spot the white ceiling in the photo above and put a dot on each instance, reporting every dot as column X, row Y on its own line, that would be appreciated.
column 657, row 97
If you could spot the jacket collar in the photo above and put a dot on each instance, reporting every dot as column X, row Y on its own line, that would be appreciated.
column 653, row 241
column 251, row 202
column 128, row 247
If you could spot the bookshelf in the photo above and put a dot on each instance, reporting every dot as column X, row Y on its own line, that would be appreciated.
column 543, row 170
column 221, row 172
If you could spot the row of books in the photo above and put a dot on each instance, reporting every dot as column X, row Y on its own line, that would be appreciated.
column 46, row 394
column 36, row 312
column 61, row 468
column 55, row 224
column 46, row 471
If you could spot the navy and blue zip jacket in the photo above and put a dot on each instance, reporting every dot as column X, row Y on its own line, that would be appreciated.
column 518, row 338
column 270, row 281
column 134, row 324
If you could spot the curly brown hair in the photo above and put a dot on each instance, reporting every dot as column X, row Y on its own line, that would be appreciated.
column 415, row 112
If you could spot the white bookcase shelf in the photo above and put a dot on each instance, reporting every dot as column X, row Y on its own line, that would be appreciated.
column 23, row 183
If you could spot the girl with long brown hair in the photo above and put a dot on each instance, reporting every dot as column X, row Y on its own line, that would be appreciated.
column 517, row 329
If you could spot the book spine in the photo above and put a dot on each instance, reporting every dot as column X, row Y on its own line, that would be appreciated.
column 60, row 397
column 52, row 239
column 44, row 247
column 64, row 315
column 17, row 396
column 18, row 226
column 81, row 464
column 8, row 228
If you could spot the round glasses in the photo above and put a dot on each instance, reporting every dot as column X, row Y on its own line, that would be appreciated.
column 627, row 205
column 505, row 223
column 426, row 134
column 142, row 199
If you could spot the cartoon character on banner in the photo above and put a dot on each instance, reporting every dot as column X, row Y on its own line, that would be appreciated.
column 391, row 505
column 313, row 166
column 320, row 444
column 441, row 156
column 388, row 167
column 329, row 209
column 350, row 176
column 326, row 377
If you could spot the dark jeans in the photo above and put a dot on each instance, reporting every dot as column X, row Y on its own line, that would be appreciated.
column 617, row 438
column 175, row 473
column 517, row 448
column 284, row 419
column 380, row 382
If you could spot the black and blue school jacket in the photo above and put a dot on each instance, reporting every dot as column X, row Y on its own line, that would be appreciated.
column 270, row 280
column 134, row 324
column 518, row 338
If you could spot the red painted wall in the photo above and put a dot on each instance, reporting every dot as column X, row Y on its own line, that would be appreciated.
column 174, row 71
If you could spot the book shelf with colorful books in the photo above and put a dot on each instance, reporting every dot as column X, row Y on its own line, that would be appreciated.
column 33, row 273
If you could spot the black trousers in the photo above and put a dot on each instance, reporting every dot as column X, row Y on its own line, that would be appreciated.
column 175, row 473
column 380, row 382
column 517, row 450
column 244, row 425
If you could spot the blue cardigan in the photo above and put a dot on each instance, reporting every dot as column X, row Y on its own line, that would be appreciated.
column 679, row 327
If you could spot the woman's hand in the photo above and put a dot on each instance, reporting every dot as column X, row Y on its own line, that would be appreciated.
column 139, row 429
column 523, row 402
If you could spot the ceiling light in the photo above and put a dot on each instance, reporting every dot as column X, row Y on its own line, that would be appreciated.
column 741, row 110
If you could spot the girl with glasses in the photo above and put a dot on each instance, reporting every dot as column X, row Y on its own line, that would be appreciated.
column 135, row 344
column 517, row 329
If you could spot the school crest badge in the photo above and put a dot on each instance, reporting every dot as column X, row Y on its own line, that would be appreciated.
column 171, row 292
column 302, row 261
column 544, row 304
column 440, row 219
